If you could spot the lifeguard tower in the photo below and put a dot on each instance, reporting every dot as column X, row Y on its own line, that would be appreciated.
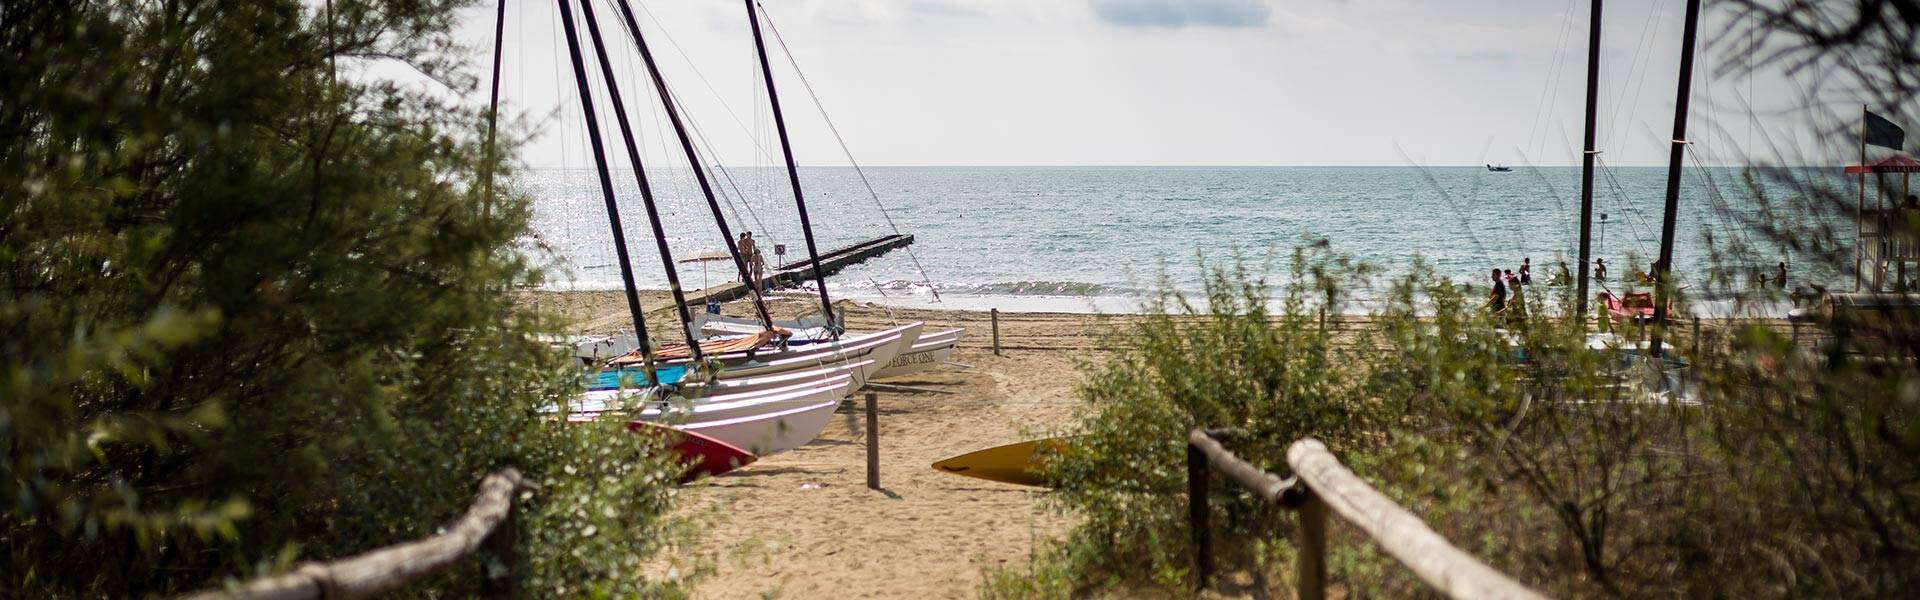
column 1887, row 255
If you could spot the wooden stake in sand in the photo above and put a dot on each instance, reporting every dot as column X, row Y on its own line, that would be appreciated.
column 873, row 441
column 996, row 330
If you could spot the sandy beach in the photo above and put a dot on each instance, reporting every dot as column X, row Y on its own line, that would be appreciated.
column 803, row 524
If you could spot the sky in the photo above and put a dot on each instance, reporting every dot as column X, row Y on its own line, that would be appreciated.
column 1160, row 82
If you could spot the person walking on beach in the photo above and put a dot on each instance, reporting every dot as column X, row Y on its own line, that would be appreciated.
column 750, row 253
column 1497, row 302
column 1599, row 269
column 1526, row 271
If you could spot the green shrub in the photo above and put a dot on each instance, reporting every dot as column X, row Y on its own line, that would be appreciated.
column 1227, row 360
column 253, row 316
column 1782, row 470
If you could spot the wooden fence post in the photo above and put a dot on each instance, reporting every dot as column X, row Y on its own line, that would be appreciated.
column 1696, row 336
column 996, row 330
column 873, row 441
column 500, row 545
column 1310, row 580
column 1197, row 518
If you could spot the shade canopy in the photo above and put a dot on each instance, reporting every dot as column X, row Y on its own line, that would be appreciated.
column 705, row 256
column 1891, row 164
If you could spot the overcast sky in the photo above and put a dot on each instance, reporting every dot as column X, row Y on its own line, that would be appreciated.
column 1153, row 82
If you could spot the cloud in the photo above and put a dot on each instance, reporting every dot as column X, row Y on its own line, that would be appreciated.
column 1182, row 13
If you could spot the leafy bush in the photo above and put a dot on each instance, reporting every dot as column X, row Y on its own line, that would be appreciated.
column 254, row 315
column 1768, row 469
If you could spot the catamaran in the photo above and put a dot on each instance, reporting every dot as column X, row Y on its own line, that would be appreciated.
column 930, row 349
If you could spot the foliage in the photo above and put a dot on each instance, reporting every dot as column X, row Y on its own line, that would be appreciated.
column 1758, row 466
column 1223, row 360
column 255, row 314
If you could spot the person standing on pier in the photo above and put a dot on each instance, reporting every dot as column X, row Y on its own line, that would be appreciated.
column 751, row 253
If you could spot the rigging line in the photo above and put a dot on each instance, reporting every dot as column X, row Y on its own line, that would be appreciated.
column 493, row 103
column 1621, row 197
column 793, row 170
column 701, row 135
column 727, row 175
column 822, row 108
column 718, row 97
column 1553, row 68
column 1641, row 63
column 693, row 161
column 640, row 178
column 1719, row 200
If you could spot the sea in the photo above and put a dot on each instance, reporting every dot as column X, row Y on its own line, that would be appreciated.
column 1099, row 238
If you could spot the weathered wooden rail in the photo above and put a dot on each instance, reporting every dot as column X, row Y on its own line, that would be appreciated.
column 488, row 526
column 1320, row 484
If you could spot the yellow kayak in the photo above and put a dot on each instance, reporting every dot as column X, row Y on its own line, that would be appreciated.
column 1012, row 463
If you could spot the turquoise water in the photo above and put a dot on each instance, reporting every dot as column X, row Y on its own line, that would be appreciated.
column 1090, row 235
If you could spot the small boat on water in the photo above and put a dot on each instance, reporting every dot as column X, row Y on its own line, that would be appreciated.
column 1499, row 168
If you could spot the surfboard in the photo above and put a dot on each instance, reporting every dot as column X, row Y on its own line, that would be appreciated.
column 704, row 456
column 1012, row 463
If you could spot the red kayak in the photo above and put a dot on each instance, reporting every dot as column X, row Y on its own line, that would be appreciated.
column 705, row 456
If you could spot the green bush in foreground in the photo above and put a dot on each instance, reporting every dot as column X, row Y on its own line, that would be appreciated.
column 253, row 316
column 1782, row 471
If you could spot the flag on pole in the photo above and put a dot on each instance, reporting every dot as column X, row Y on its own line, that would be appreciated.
column 1883, row 133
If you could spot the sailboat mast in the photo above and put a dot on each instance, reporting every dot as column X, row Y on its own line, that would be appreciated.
column 640, row 175
column 1663, row 283
column 693, row 161
column 606, row 190
column 1587, row 156
column 793, row 172
column 493, row 100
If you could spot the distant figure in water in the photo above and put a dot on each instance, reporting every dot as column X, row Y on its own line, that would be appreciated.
column 1780, row 276
column 1497, row 302
column 1513, row 281
column 1562, row 276
column 1599, row 269
column 1526, row 271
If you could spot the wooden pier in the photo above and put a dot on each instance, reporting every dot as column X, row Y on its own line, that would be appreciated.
column 800, row 271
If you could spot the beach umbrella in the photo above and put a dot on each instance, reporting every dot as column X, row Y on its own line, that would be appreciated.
column 703, row 257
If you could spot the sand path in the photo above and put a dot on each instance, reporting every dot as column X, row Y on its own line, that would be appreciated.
column 803, row 524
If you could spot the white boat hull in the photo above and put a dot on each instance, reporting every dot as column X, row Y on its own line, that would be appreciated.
column 761, row 422
column 932, row 349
